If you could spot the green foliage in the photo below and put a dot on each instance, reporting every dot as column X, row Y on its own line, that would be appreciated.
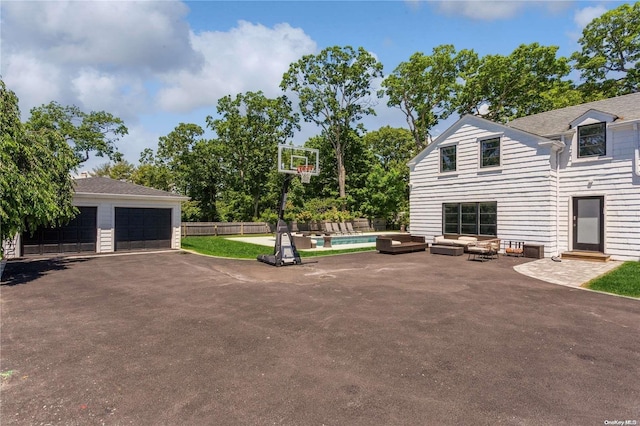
column 121, row 170
column 511, row 86
column 97, row 131
column 269, row 216
column 386, row 193
column 334, row 90
column 35, row 164
column 622, row 280
column 609, row 61
column 249, row 132
column 190, row 211
column 424, row 89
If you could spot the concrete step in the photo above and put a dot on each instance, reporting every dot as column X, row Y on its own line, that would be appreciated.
column 586, row 255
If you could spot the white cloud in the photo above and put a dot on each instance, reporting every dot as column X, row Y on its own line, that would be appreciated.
column 34, row 82
column 249, row 57
column 118, row 35
column 122, row 97
column 584, row 16
column 484, row 10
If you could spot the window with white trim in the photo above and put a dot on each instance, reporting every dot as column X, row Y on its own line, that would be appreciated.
column 448, row 158
column 470, row 218
column 490, row 152
column 592, row 140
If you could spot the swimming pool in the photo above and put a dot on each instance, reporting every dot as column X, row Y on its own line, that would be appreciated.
column 346, row 239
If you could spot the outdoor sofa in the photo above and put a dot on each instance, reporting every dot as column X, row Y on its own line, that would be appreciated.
column 464, row 242
column 400, row 243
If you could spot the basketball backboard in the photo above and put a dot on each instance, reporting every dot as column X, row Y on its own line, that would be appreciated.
column 290, row 158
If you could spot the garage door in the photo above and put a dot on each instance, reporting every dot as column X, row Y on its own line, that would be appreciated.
column 142, row 228
column 79, row 235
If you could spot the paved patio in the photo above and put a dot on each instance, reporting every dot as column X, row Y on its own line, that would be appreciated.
column 568, row 272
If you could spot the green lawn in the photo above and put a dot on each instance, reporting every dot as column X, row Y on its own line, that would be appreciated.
column 624, row 280
column 221, row 246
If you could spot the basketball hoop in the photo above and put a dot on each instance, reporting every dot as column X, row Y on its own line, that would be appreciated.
column 305, row 172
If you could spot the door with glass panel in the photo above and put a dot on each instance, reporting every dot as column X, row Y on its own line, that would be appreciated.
column 588, row 223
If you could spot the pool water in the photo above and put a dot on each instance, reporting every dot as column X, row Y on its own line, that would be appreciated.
column 346, row 239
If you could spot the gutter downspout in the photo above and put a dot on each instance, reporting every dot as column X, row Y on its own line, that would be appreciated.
column 637, row 165
column 558, row 152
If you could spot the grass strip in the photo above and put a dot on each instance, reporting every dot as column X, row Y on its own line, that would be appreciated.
column 624, row 280
column 222, row 247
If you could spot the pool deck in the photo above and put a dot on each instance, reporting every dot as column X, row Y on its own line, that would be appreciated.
column 271, row 240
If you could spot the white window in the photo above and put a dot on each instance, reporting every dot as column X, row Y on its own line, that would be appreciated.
column 490, row 152
column 448, row 155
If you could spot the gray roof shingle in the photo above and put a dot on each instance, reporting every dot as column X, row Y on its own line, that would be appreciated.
column 105, row 185
column 554, row 122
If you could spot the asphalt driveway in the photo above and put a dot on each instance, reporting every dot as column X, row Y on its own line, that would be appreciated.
column 361, row 339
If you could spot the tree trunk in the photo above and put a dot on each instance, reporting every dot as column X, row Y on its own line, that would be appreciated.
column 342, row 174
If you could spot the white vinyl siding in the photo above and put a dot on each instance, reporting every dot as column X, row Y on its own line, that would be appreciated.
column 614, row 179
column 522, row 187
column 106, row 216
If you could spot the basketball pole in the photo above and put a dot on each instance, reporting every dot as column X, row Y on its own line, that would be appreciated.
column 284, row 251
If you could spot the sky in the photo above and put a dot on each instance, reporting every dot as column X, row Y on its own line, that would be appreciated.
column 156, row 64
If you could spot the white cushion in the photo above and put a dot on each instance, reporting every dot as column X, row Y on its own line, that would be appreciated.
column 469, row 239
column 396, row 243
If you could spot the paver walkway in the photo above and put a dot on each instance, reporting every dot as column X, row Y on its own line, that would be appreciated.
column 571, row 273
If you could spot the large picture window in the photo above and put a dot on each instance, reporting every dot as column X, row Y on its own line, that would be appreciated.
column 448, row 158
column 592, row 140
column 470, row 218
column 490, row 152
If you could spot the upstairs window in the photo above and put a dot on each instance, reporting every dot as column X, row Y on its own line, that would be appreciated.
column 490, row 152
column 592, row 140
column 448, row 158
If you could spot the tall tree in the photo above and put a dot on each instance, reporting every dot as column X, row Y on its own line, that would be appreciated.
column 249, row 131
column 502, row 88
column 385, row 192
column 97, row 131
column 35, row 164
column 392, row 147
column 609, row 61
column 151, row 172
column 423, row 89
column 334, row 91
column 120, row 170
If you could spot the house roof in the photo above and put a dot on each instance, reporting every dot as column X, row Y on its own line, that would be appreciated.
column 558, row 121
column 105, row 185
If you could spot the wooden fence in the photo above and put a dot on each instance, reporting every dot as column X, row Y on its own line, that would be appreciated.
column 224, row 228
column 245, row 228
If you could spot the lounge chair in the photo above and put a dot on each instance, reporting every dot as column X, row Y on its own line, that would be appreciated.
column 343, row 228
column 332, row 228
column 336, row 228
column 484, row 250
column 351, row 230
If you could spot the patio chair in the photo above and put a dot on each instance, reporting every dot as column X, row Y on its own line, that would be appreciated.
column 330, row 229
column 336, row 228
column 351, row 230
column 343, row 228
column 484, row 250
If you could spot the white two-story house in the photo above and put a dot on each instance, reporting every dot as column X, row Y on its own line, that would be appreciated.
column 568, row 179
